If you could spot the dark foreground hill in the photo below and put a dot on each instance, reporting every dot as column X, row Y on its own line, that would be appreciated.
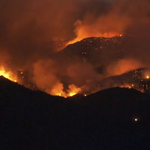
column 113, row 119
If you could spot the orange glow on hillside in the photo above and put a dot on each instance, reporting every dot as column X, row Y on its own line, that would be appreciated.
column 83, row 35
column 73, row 90
column 58, row 91
column 7, row 74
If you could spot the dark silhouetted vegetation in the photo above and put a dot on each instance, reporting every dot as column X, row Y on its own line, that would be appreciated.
column 33, row 120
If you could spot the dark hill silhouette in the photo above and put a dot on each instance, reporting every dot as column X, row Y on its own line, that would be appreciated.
column 104, row 120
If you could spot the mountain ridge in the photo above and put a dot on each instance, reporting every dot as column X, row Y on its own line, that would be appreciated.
column 35, row 120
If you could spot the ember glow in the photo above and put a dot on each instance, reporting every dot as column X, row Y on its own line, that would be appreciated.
column 58, row 91
column 81, row 35
column 7, row 74
column 73, row 90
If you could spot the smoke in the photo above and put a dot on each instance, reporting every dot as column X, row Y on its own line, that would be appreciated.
column 45, row 74
column 106, row 25
column 49, row 78
column 121, row 16
column 33, row 31
column 123, row 65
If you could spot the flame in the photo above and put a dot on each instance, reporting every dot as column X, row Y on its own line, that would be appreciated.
column 7, row 74
column 147, row 77
column 85, row 95
column 126, row 86
column 73, row 90
column 58, row 90
column 83, row 35
column 72, row 94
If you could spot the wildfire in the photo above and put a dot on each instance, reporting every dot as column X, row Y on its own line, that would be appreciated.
column 7, row 74
column 126, row 86
column 73, row 90
column 58, row 90
column 83, row 35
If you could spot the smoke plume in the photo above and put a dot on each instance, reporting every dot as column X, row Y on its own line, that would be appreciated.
column 33, row 31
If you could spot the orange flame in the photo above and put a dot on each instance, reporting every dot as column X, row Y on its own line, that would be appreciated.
column 73, row 90
column 58, row 90
column 7, row 74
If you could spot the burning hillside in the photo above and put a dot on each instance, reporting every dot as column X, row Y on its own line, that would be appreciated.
column 78, row 68
column 103, row 38
column 8, row 74
column 85, row 69
column 137, row 79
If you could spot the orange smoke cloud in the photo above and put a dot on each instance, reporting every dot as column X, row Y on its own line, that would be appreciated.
column 123, row 66
column 110, row 24
column 44, row 73
column 46, row 79
column 105, row 26
column 121, row 16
